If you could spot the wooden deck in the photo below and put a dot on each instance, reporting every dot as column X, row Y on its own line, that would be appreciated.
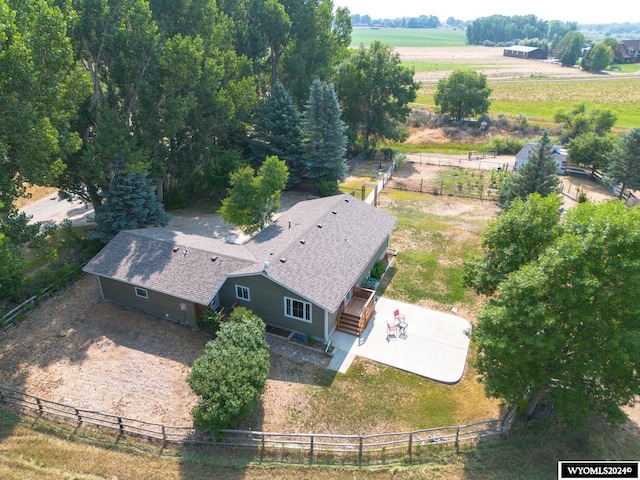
column 357, row 313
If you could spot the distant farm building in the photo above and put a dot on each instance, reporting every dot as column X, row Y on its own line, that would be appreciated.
column 627, row 51
column 518, row 51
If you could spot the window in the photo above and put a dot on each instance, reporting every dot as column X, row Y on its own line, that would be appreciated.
column 141, row 292
column 297, row 309
column 242, row 293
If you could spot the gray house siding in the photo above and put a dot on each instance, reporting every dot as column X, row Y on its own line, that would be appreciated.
column 156, row 303
column 266, row 299
column 379, row 254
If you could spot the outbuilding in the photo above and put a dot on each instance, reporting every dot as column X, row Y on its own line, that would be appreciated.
column 519, row 51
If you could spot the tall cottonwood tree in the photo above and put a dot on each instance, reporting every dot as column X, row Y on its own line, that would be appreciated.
column 535, row 339
column 325, row 139
column 175, row 82
column 375, row 91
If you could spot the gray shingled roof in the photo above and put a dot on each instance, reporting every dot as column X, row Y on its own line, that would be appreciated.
column 155, row 259
column 318, row 249
column 341, row 235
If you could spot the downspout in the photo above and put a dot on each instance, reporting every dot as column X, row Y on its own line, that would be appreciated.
column 326, row 326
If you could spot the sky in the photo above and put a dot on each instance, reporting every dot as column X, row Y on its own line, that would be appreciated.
column 584, row 11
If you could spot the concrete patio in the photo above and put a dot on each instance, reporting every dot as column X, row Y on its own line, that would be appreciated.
column 435, row 345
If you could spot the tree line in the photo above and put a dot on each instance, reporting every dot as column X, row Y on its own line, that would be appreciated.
column 110, row 100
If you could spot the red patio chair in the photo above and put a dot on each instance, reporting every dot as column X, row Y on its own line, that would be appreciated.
column 398, row 317
column 391, row 329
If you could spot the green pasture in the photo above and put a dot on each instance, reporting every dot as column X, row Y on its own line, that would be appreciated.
column 408, row 37
column 540, row 99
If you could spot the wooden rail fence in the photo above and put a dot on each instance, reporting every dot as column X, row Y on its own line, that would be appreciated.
column 398, row 444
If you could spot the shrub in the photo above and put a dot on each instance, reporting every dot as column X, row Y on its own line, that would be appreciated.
column 378, row 270
column 210, row 321
column 231, row 373
column 506, row 145
column 326, row 187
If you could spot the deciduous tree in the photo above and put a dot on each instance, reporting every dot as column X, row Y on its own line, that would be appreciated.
column 597, row 58
column 569, row 48
column 591, row 150
column 375, row 90
column 566, row 326
column 518, row 236
column 463, row 94
column 253, row 198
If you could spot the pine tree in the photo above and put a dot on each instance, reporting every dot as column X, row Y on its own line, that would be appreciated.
column 130, row 203
column 278, row 132
column 536, row 175
column 326, row 142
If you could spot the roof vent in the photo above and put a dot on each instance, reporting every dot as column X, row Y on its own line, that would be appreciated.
column 175, row 249
column 214, row 258
column 186, row 250
column 303, row 241
column 346, row 200
column 334, row 212
column 283, row 259
column 319, row 225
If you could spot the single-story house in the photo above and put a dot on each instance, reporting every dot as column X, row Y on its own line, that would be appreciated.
column 627, row 51
column 302, row 272
column 560, row 155
column 519, row 51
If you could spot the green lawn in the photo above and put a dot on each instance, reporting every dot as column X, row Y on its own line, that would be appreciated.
column 408, row 37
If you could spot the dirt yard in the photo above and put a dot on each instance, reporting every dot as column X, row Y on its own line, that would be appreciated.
column 82, row 351
column 488, row 60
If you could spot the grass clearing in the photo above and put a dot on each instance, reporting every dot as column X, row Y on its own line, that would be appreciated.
column 434, row 236
column 540, row 99
column 408, row 37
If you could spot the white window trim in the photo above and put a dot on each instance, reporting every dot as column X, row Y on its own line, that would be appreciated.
column 239, row 297
column 139, row 293
column 307, row 305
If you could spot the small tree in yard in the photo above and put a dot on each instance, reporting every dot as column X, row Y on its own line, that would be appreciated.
column 253, row 199
column 463, row 93
column 231, row 373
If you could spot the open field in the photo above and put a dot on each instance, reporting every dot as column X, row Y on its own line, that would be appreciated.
column 534, row 88
column 408, row 37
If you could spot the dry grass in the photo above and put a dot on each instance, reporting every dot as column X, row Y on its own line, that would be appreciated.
column 35, row 193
